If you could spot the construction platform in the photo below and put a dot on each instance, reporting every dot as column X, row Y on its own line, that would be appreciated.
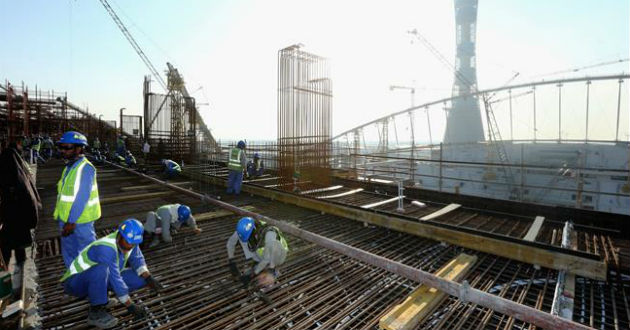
column 322, row 289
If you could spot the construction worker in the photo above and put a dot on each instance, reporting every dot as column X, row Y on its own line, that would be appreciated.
column 47, row 147
column 167, row 217
column 255, row 167
column 237, row 163
column 36, row 147
column 100, row 267
column 77, row 205
column 96, row 145
column 130, row 160
column 171, row 168
column 121, row 148
column 262, row 243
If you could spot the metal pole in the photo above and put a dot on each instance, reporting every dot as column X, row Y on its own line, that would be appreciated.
column 534, row 95
column 463, row 291
column 588, row 92
column 511, row 127
column 429, row 125
column 413, row 148
column 441, row 150
column 121, row 120
column 559, row 112
column 618, row 109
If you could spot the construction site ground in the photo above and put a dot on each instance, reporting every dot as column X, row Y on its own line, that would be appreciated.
column 319, row 288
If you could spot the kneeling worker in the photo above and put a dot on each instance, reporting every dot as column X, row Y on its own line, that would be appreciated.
column 167, row 217
column 171, row 168
column 262, row 243
column 101, row 266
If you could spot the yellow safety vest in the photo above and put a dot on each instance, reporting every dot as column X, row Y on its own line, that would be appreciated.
column 234, row 162
column 68, row 189
column 82, row 262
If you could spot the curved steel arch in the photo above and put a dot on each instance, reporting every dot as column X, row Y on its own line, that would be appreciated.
column 481, row 92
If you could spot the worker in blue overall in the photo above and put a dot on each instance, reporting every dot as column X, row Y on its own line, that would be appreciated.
column 256, row 167
column 264, row 244
column 171, row 168
column 101, row 266
column 237, row 163
column 77, row 204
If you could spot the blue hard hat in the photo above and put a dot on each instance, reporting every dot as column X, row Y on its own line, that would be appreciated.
column 72, row 137
column 240, row 144
column 244, row 228
column 132, row 230
column 256, row 155
column 183, row 213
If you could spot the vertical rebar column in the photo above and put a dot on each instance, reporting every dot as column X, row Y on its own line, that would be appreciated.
column 304, row 116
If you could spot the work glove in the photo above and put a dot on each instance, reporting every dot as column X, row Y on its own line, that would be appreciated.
column 154, row 284
column 137, row 310
column 234, row 269
column 68, row 229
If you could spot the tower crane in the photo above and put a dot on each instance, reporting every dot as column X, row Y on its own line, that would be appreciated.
column 134, row 44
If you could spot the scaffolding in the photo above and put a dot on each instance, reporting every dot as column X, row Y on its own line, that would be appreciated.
column 26, row 112
column 172, row 121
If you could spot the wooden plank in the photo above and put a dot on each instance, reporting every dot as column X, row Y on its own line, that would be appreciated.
column 219, row 213
column 285, row 184
column 424, row 299
column 320, row 190
column 530, row 254
column 534, row 229
column 154, row 185
column 442, row 211
column 129, row 198
column 354, row 191
column 263, row 179
column 379, row 203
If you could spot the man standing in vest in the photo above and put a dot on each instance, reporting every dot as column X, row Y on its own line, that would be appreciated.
column 237, row 162
column 263, row 244
column 101, row 267
column 167, row 217
column 77, row 205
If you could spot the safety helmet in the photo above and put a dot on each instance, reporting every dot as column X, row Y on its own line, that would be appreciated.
column 72, row 137
column 244, row 228
column 256, row 155
column 240, row 144
column 183, row 213
column 132, row 231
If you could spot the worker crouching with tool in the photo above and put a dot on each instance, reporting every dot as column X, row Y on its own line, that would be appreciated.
column 263, row 244
column 101, row 267
column 167, row 220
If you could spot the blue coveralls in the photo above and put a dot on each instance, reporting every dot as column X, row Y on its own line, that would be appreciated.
column 83, row 233
column 95, row 282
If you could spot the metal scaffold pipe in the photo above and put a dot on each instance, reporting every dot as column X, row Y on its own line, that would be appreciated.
column 462, row 291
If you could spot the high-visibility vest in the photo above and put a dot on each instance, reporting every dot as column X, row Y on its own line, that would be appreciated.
column 257, row 164
column 234, row 162
column 82, row 262
column 37, row 143
column 97, row 144
column 68, row 189
column 260, row 248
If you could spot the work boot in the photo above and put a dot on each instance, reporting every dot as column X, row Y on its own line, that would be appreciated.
column 99, row 317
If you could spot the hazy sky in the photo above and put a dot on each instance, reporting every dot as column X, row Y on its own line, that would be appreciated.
column 227, row 50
